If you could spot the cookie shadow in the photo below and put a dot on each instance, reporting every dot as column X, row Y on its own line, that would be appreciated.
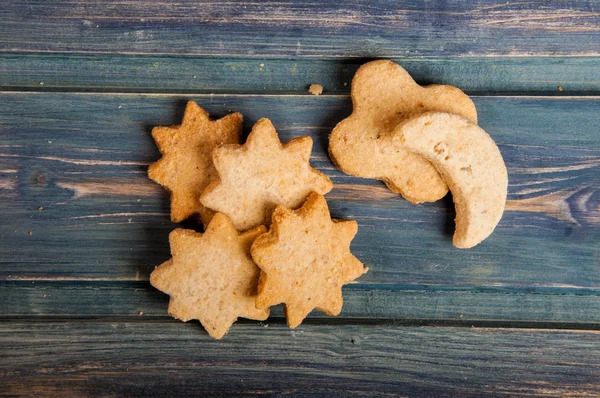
column 449, row 212
column 340, row 112
column 156, row 229
column 157, row 225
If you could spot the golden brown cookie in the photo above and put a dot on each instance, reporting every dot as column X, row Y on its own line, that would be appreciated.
column 305, row 259
column 383, row 95
column 211, row 276
column 256, row 177
column 470, row 163
column 186, row 167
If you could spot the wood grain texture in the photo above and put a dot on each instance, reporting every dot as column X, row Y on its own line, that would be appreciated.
column 192, row 74
column 81, row 226
column 83, row 159
column 543, row 307
column 358, row 28
column 143, row 357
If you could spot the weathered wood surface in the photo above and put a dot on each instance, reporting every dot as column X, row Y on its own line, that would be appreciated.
column 148, row 358
column 467, row 306
column 359, row 28
column 81, row 226
column 192, row 74
column 83, row 159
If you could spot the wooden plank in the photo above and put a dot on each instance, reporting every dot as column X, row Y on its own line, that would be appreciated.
column 148, row 358
column 548, row 307
column 156, row 73
column 83, row 157
column 359, row 28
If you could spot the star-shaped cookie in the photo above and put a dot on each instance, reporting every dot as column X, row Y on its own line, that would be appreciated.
column 383, row 95
column 211, row 276
column 186, row 167
column 256, row 177
column 304, row 260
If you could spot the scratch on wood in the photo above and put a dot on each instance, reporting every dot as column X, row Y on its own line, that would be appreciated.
column 119, row 215
column 542, row 181
column 8, row 184
column 86, row 189
column 8, row 188
column 554, row 204
column 529, row 191
column 81, row 162
column 543, row 170
column 538, row 19
column 68, row 278
column 362, row 192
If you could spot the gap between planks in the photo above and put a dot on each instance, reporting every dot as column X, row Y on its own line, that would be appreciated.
column 315, row 57
column 276, row 93
column 544, row 326
column 143, row 283
column 203, row 94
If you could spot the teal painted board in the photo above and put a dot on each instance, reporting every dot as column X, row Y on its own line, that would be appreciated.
column 83, row 158
column 465, row 306
column 149, row 358
column 357, row 28
column 193, row 74
column 81, row 226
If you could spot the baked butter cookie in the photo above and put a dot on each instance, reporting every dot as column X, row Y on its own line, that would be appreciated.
column 383, row 95
column 186, row 167
column 256, row 177
column 471, row 164
column 305, row 259
column 211, row 276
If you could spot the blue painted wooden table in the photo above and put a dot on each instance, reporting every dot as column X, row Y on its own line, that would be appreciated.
column 81, row 226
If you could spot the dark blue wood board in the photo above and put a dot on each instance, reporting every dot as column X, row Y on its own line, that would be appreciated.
column 83, row 158
column 412, row 304
column 193, row 74
column 81, row 226
column 144, row 357
column 357, row 28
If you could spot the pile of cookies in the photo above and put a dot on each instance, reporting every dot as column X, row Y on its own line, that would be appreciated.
column 269, row 237
column 422, row 141
column 238, row 267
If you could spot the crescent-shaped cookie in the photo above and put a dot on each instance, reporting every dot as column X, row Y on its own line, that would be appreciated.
column 383, row 95
column 469, row 162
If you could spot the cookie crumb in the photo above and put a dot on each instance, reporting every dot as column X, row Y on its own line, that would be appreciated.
column 345, row 84
column 40, row 208
column 141, row 313
column 315, row 89
column 30, row 233
column 560, row 88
